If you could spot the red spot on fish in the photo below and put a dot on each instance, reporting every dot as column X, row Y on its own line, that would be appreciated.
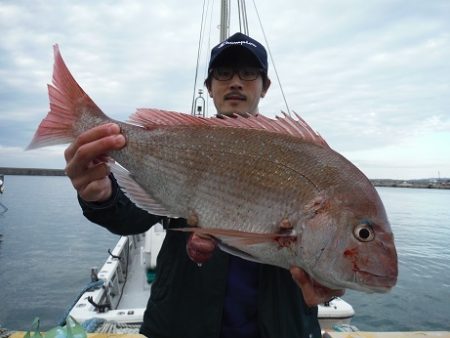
column 285, row 241
column 351, row 252
column 352, row 255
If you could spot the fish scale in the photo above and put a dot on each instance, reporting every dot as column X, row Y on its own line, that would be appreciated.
column 233, row 179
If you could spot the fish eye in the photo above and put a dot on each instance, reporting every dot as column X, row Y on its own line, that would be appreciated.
column 364, row 232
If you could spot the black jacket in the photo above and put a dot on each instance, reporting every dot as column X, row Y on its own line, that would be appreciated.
column 187, row 301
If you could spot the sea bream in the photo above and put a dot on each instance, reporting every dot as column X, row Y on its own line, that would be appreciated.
column 239, row 179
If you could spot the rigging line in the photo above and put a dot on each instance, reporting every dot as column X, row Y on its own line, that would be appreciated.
column 228, row 21
column 271, row 58
column 245, row 18
column 208, row 48
column 239, row 15
column 243, row 22
column 207, row 56
column 198, row 58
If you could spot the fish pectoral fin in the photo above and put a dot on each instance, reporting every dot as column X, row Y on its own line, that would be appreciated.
column 135, row 192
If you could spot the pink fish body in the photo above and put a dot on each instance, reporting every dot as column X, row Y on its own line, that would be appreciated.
column 240, row 178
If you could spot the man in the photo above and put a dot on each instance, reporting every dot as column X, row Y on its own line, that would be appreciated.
column 223, row 296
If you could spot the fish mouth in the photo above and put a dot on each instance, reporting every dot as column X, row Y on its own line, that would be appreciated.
column 235, row 96
column 375, row 283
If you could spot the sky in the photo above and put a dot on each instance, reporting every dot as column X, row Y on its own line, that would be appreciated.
column 372, row 77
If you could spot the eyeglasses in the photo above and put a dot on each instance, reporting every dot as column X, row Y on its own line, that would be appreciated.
column 244, row 73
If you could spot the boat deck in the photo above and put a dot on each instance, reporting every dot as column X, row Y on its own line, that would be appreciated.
column 126, row 290
column 136, row 290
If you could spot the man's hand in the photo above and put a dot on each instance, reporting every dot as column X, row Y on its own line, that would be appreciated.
column 313, row 292
column 86, row 161
column 200, row 249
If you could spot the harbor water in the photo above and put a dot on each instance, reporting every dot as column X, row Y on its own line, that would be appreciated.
column 47, row 249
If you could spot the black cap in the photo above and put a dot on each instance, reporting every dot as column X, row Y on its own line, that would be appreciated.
column 239, row 40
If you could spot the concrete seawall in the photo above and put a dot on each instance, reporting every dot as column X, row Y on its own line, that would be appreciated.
column 429, row 183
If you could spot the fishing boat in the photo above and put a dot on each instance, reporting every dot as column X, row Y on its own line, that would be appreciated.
column 121, row 287
column 118, row 293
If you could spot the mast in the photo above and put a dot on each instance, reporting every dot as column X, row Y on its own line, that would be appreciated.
column 224, row 20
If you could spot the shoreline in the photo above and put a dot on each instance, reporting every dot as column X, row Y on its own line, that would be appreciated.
column 428, row 183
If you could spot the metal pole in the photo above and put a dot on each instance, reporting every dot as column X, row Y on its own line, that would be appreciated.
column 224, row 20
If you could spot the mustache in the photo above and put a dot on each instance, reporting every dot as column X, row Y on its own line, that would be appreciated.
column 235, row 95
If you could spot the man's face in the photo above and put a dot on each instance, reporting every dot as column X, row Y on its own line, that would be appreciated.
column 235, row 95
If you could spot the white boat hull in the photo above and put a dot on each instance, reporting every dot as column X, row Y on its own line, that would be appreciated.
column 125, row 291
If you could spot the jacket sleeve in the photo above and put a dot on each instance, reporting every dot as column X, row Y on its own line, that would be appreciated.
column 118, row 214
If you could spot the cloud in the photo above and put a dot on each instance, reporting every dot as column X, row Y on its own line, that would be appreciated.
column 17, row 157
column 369, row 76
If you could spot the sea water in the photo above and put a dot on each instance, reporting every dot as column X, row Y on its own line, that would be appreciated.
column 47, row 248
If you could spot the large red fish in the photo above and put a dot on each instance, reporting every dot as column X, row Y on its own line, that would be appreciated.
column 240, row 179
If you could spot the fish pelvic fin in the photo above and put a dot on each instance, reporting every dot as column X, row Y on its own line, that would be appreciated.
column 285, row 124
column 238, row 238
column 68, row 102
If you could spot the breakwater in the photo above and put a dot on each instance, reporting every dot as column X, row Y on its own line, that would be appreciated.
column 31, row 171
column 426, row 183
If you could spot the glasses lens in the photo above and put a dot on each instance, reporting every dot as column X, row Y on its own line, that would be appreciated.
column 223, row 73
column 245, row 73
column 248, row 73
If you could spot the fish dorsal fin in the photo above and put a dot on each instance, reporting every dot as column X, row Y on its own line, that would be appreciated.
column 296, row 127
column 135, row 192
column 151, row 118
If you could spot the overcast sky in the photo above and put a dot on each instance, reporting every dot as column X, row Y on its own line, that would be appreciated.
column 372, row 77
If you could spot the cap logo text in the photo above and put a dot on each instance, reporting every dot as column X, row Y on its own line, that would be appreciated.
column 237, row 43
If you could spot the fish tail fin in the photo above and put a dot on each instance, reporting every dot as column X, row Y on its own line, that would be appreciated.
column 68, row 102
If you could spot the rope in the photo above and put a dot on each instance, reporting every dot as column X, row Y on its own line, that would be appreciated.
column 91, row 325
column 200, row 39
column 241, row 4
column 91, row 286
column 271, row 59
column 100, row 325
column 208, row 48
column 4, row 333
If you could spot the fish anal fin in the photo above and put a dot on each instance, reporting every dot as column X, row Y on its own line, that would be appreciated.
column 239, row 253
